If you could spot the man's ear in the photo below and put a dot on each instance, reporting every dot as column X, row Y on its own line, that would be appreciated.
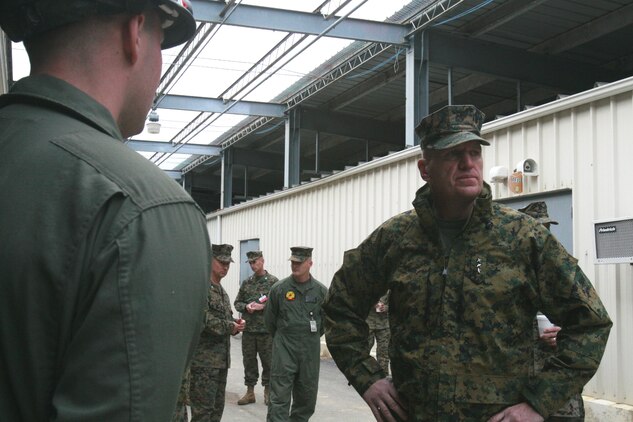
column 133, row 29
column 424, row 174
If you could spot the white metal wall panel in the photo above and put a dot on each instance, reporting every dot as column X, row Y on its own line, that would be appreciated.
column 583, row 143
column 330, row 215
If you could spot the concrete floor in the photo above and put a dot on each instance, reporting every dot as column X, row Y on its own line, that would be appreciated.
column 336, row 400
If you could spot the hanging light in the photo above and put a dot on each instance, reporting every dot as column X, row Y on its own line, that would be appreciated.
column 153, row 125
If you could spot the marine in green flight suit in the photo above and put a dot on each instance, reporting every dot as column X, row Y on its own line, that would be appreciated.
column 294, row 318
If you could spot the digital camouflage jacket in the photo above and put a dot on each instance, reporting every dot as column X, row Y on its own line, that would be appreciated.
column 214, row 348
column 251, row 290
column 461, row 325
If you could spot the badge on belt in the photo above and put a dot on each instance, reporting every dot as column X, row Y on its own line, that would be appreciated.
column 313, row 324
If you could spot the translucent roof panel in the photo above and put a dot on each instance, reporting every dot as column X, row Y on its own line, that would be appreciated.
column 220, row 69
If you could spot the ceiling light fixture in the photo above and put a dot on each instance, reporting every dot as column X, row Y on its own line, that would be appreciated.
column 153, row 126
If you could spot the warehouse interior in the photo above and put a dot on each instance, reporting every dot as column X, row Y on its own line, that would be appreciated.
column 362, row 101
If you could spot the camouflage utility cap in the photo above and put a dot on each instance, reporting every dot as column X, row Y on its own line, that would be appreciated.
column 222, row 252
column 24, row 19
column 300, row 253
column 450, row 126
column 538, row 210
column 253, row 256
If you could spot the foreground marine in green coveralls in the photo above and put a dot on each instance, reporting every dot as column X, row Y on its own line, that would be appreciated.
column 104, row 258
column 466, row 277
column 294, row 318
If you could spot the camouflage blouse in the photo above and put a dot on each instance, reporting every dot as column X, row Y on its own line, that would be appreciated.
column 461, row 324
column 252, row 290
column 215, row 340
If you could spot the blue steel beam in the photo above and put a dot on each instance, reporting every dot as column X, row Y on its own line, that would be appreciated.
column 300, row 22
column 174, row 174
column 215, row 105
column 168, row 147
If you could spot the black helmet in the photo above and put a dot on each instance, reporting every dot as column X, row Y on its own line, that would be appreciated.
column 22, row 19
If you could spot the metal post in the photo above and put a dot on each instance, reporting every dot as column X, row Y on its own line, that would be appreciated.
column 227, row 178
column 317, row 153
column 417, row 85
column 292, row 148
column 450, row 86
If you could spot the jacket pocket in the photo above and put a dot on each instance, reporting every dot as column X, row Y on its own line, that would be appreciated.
column 488, row 389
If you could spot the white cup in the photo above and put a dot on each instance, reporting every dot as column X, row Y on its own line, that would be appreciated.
column 543, row 323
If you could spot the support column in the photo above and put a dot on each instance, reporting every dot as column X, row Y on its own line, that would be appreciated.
column 187, row 182
column 417, row 85
column 292, row 148
column 227, row 178
column 449, row 82
column 245, row 183
column 317, row 153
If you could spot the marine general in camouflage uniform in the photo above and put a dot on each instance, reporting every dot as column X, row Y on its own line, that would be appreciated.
column 212, row 359
column 466, row 277
column 250, row 302
column 378, row 325
column 545, row 344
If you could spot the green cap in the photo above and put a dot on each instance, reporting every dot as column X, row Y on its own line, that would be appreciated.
column 23, row 19
column 450, row 126
column 222, row 252
column 300, row 253
column 538, row 210
column 253, row 256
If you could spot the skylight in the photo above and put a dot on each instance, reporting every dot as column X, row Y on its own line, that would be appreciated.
column 229, row 53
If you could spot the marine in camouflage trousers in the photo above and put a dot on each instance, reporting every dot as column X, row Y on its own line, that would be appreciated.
column 252, row 345
column 180, row 414
column 378, row 324
column 207, row 391
column 382, row 337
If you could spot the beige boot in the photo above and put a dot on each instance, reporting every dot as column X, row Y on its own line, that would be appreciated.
column 249, row 397
column 266, row 395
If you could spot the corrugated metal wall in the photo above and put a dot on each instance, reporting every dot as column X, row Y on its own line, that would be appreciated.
column 330, row 215
column 583, row 143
